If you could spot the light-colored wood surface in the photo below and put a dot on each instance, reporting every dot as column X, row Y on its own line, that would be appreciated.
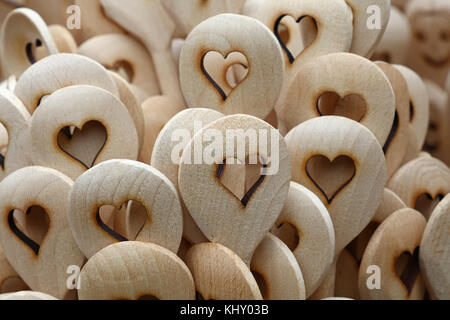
column 394, row 45
column 219, row 274
column 131, row 181
column 64, row 41
column 245, row 223
column 149, row 21
column 334, row 32
column 42, row 266
column 390, row 203
column 401, row 232
column 314, row 249
column 264, row 71
column 10, row 281
column 52, row 11
column 421, row 183
column 23, row 31
column 365, row 39
column 279, row 271
column 435, row 251
column 360, row 196
column 397, row 141
column 419, row 104
column 119, row 52
column 189, row 13
column 15, row 120
column 135, row 270
column 132, row 104
column 77, row 106
column 60, row 71
column 157, row 111
column 93, row 21
column 168, row 144
column 336, row 73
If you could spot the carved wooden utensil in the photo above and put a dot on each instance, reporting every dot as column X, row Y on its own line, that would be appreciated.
column 89, row 109
column 22, row 32
column 167, row 147
column 421, row 183
column 59, row 71
column 16, row 120
column 265, row 71
column 135, row 270
column 40, row 261
column 114, row 183
column 313, row 234
column 434, row 252
column 125, row 55
column 374, row 104
column 238, row 223
column 400, row 233
column 339, row 160
column 148, row 20
column 219, row 274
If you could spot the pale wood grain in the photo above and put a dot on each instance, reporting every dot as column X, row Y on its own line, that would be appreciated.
column 162, row 156
column 45, row 270
column 435, row 251
column 219, row 274
column 220, row 215
column 315, row 249
column 77, row 106
column 280, row 271
column 265, row 71
column 23, row 27
column 113, row 50
column 60, row 71
column 400, row 232
column 336, row 73
column 133, row 270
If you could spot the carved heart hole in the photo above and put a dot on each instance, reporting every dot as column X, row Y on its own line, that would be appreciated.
column 407, row 268
column 30, row 227
column 425, row 204
column 225, row 73
column 83, row 145
column 295, row 36
column 289, row 234
column 4, row 141
column 124, row 69
column 35, row 51
column 125, row 223
column 242, row 179
column 351, row 106
column 330, row 177
column 392, row 133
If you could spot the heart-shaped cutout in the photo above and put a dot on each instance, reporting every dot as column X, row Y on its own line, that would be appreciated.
column 83, row 145
column 295, row 36
column 330, row 177
column 407, row 268
column 31, row 228
column 241, row 179
column 30, row 50
column 124, row 69
column 352, row 106
column 225, row 73
column 425, row 204
column 125, row 223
